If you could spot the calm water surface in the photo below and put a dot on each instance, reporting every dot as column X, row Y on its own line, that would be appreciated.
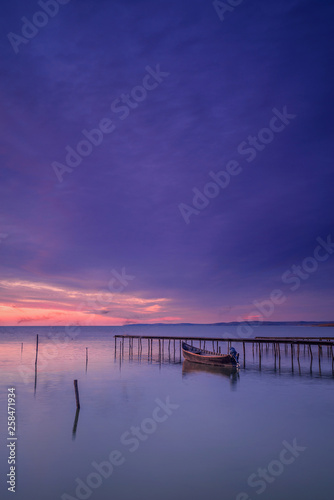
column 220, row 431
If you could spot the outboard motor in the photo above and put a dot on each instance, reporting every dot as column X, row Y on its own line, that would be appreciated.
column 234, row 354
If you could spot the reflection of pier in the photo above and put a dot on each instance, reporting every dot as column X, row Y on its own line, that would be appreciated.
column 259, row 349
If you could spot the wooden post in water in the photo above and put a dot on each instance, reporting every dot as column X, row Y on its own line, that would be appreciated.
column 310, row 349
column 244, row 351
column 292, row 357
column 76, row 390
column 86, row 357
column 260, row 356
column 36, row 359
column 319, row 353
column 36, row 350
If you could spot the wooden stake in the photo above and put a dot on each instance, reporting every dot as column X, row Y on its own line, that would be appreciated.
column 76, row 390
column 292, row 357
column 310, row 352
column 36, row 350
column 310, row 349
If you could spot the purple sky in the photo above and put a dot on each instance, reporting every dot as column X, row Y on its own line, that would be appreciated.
column 120, row 208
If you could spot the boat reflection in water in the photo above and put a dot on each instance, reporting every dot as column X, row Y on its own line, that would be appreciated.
column 231, row 372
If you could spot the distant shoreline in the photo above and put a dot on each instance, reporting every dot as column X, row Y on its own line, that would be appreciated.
column 326, row 324
column 231, row 323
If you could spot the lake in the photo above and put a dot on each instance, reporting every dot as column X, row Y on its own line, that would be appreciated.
column 153, row 428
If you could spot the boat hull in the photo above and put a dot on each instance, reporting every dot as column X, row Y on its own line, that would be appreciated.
column 200, row 356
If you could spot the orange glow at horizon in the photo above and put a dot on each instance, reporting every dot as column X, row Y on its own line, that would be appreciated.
column 40, row 304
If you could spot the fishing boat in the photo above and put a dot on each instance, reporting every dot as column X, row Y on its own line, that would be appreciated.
column 197, row 355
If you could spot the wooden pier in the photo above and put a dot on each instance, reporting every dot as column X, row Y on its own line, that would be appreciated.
column 296, row 347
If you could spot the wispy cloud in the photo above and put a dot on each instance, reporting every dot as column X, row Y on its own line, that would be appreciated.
column 24, row 298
